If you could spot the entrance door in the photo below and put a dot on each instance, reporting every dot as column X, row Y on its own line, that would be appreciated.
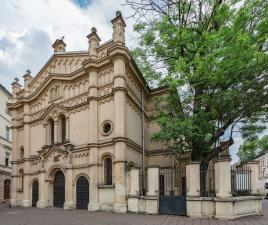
column 35, row 193
column 82, row 193
column 7, row 189
column 172, row 185
column 59, row 190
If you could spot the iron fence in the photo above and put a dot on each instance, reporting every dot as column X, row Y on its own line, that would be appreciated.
column 207, row 180
column 172, row 181
column 241, row 180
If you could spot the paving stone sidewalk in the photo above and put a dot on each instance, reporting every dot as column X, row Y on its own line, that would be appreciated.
column 33, row 216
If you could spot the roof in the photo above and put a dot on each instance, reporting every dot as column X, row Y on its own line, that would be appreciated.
column 5, row 90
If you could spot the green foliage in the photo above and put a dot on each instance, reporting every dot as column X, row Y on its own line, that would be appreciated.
column 213, row 57
column 252, row 148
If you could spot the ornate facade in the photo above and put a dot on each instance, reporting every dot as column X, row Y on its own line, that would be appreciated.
column 77, row 127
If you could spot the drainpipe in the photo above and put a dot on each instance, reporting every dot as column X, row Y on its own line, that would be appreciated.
column 142, row 144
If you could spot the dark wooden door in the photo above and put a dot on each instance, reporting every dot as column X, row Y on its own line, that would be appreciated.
column 59, row 190
column 7, row 189
column 82, row 193
column 35, row 193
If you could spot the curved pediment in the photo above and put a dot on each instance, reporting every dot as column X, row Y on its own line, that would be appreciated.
column 54, row 111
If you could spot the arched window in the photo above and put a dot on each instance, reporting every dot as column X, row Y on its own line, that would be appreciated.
column 51, row 130
column 63, row 128
column 108, row 171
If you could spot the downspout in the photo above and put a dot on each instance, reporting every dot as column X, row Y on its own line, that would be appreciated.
column 142, row 144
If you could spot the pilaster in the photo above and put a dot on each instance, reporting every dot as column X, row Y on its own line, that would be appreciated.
column 120, row 131
column 69, row 202
column 93, row 138
column 42, row 202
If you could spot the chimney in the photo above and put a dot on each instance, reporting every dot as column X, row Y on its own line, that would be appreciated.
column 118, row 29
column 16, row 87
column 93, row 43
column 59, row 45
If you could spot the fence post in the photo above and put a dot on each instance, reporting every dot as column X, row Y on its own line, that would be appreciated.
column 223, row 178
column 133, row 198
column 254, row 177
column 193, row 179
column 151, row 199
column 194, row 203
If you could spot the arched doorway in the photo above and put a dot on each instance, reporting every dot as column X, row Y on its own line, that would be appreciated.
column 7, row 189
column 82, row 193
column 35, row 193
column 59, row 190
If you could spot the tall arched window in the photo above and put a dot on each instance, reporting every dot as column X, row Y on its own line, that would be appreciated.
column 108, row 171
column 63, row 128
column 51, row 130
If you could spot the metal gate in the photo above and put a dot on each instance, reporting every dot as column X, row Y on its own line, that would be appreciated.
column 59, row 190
column 7, row 189
column 35, row 193
column 82, row 193
column 172, row 185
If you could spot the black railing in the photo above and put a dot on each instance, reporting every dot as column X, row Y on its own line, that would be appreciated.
column 207, row 180
column 241, row 180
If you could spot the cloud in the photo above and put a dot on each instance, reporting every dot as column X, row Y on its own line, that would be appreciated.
column 29, row 27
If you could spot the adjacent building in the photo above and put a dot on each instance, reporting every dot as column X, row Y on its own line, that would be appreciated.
column 263, row 172
column 80, row 125
column 5, row 144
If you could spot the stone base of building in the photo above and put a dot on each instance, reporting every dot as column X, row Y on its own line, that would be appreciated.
column 93, row 207
column 133, row 204
column 120, row 208
column 69, row 205
column 42, row 204
column 151, row 205
column 143, row 204
column 224, row 208
column 13, row 203
column 26, row 203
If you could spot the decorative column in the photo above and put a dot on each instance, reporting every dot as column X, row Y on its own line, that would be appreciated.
column 133, row 197
column 67, row 129
column 15, row 155
column 120, row 134
column 45, row 134
column 69, row 202
column 42, row 202
column 223, row 178
column 56, row 131
column 27, row 143
column 254, row 166
column 93, row 140
column 193, row 204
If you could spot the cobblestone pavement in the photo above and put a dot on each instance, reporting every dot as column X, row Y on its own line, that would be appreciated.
column 33, row 216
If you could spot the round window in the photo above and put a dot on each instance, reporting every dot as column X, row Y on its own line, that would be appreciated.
column 107, row 127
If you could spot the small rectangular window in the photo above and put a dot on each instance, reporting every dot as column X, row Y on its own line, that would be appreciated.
column 7, row 132
column 7, row 161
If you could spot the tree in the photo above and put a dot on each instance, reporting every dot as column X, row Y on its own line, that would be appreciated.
column 252, row 148
column 212, row 55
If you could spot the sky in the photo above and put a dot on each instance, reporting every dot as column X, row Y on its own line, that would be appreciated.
column 28, row 28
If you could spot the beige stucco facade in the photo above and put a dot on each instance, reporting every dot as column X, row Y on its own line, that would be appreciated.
column 98, row 93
